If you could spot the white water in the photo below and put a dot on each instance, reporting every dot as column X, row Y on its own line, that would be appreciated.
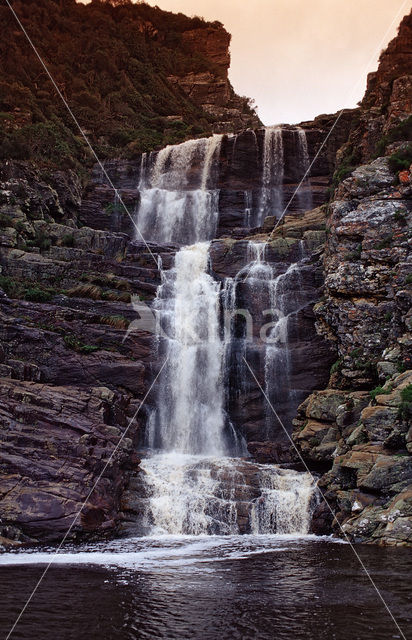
column 158, row 553
column 271, row 197
column 279, row 297
column 197, row 495
column 305, row 192
column 189, row 416
column 179, row 198
column 189, row 485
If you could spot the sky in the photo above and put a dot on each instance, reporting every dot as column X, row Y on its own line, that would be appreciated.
column 300, row 58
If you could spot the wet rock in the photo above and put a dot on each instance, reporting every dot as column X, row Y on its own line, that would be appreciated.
column 55, row 442
column 270, row 452
column 370, row 467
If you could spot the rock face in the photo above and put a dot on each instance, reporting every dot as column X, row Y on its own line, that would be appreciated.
column 56, row 441
column 357, row 431
column 367, row 262
column 366, row 446
column 386, row 106
column 388, row 98
column 212, row 90
column 70, row 381
column 363, row 444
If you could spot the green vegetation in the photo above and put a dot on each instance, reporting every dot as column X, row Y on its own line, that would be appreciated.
column 26, row 290
column 113, row 207
column 67, row 240
column 113, row 62
column 386, row 242
column 401, row 366
column 406, row 393
column 379, row 391
column 336, row 366
column 402, row 131
column 405, row 408
column 35, row 294
column 40, row 240
column 5, row 221
column 350, row 256
column 401, row 159
column 116, row 296
column 348, row 164
column 408, row 279
column 314, row 442
column 400, row 216
column 106, row 280
column 74, row 343
column 95, row 292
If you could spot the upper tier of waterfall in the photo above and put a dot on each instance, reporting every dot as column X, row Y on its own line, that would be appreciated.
column 271, row 196
column 179, row 199
column 184, row 194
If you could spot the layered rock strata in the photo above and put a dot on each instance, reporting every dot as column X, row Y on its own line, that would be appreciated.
column 358, row 430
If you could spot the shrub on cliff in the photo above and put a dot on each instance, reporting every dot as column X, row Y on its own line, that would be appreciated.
column 405, row 407
column 401, row 160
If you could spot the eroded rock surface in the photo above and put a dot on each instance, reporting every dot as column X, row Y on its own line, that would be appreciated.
column 358, row 430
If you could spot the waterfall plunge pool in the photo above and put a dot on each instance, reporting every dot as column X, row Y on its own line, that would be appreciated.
column 207, row 587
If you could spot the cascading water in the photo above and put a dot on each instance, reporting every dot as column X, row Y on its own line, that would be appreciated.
column 178, row 195
column 273, row 298
column 189, row 417
column 286, row 301
column 271, row 196
column 304, row 192
column 196, row 495
column 191, row 485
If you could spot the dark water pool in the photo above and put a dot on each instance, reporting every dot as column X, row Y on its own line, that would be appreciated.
column 208, row 589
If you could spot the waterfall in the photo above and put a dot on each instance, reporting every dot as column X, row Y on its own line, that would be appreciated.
column 271, row 196
column 223, row 496
column 304, row 194
column 190, row 417
column 248, row 220
column 189, row 484
column 285, row 289
column 273, row 300
column 178, row 195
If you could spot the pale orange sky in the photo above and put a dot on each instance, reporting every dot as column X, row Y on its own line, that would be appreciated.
column 300, row 58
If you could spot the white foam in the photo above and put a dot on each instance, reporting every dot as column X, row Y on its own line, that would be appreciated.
column 160, row 552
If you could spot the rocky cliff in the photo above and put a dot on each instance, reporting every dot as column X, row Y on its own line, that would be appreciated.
column 211, row 90
column 384, row 117
column 358, row 430
column 70, row 384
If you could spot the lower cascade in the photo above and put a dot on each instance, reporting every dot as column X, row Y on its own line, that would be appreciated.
column 197, row 479
column 197, row 495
